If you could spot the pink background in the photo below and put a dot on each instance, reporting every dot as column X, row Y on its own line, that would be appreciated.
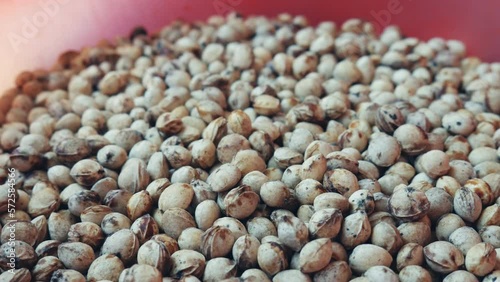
column 77, row 23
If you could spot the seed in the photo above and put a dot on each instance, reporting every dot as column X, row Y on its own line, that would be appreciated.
column 467, row 204
column 464, row 238
column 187, row 262
column 45, row 267
column 95, row 214
column 82, row 200
column 176, row 195
column 218, row 269
column 133, row 176
column 68, row 275
column 124, row 243
column 365, row 256
column 76, row 255
column 216, row 242
column 408, row 204
column 410, row 254
column 271, row 258
column 24, row 255
column 113, row 222
column 86, row 232
column 325, row 223
column 292, row 232
column 315, row 255
column 59, row 224
column 241, row 202
column 72, row 150
column 443, row 257
column 460, row 275
column 175, row 220
column 224, row 178
column 105, row 267
column 155, row 254
column 481, row 259
column 140, row 272
column 139, row 204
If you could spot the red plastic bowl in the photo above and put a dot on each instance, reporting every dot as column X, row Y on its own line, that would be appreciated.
column 35, row 32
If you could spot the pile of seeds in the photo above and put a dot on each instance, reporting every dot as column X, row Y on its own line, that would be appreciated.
column 254, row 149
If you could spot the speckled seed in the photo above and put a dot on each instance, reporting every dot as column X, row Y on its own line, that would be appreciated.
column 325, row 223
column 493, row 276
column 292, row 232
column 341, row 181
column 481, row 259
column 105, row 267
column 95, row 214
column 381, row 273
column 224, row 178
column 187, row 262
column 112, row 156
column 362, row 200
column 461, row 276
column 67, row 275
column 410, row 254
column 335, row 271
column 315, row 255
column 387, row 236
column 491, row 234
column 241, row 202
column 408, row 204
column 174, row 220
column 440, row 203
column 155, row 254
column 443, row 257
column 59, row 224
column 82, row 200
column 388, row 118
column 216, row 242
column 87, row 172
column 24, row 255
column 414, row 273
column 464, row 238
column 447, row 224
column 219, row 269
column 133, row 176
column 467, row 204
column 365, row 256
column 331, row 200
column 123, row 243
column 140, row 272
column 275, row 194
column 86, row 232
column 271, row 258
column 383, row 150
column 356, row 230
column 77, row 256
column 177, row 195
